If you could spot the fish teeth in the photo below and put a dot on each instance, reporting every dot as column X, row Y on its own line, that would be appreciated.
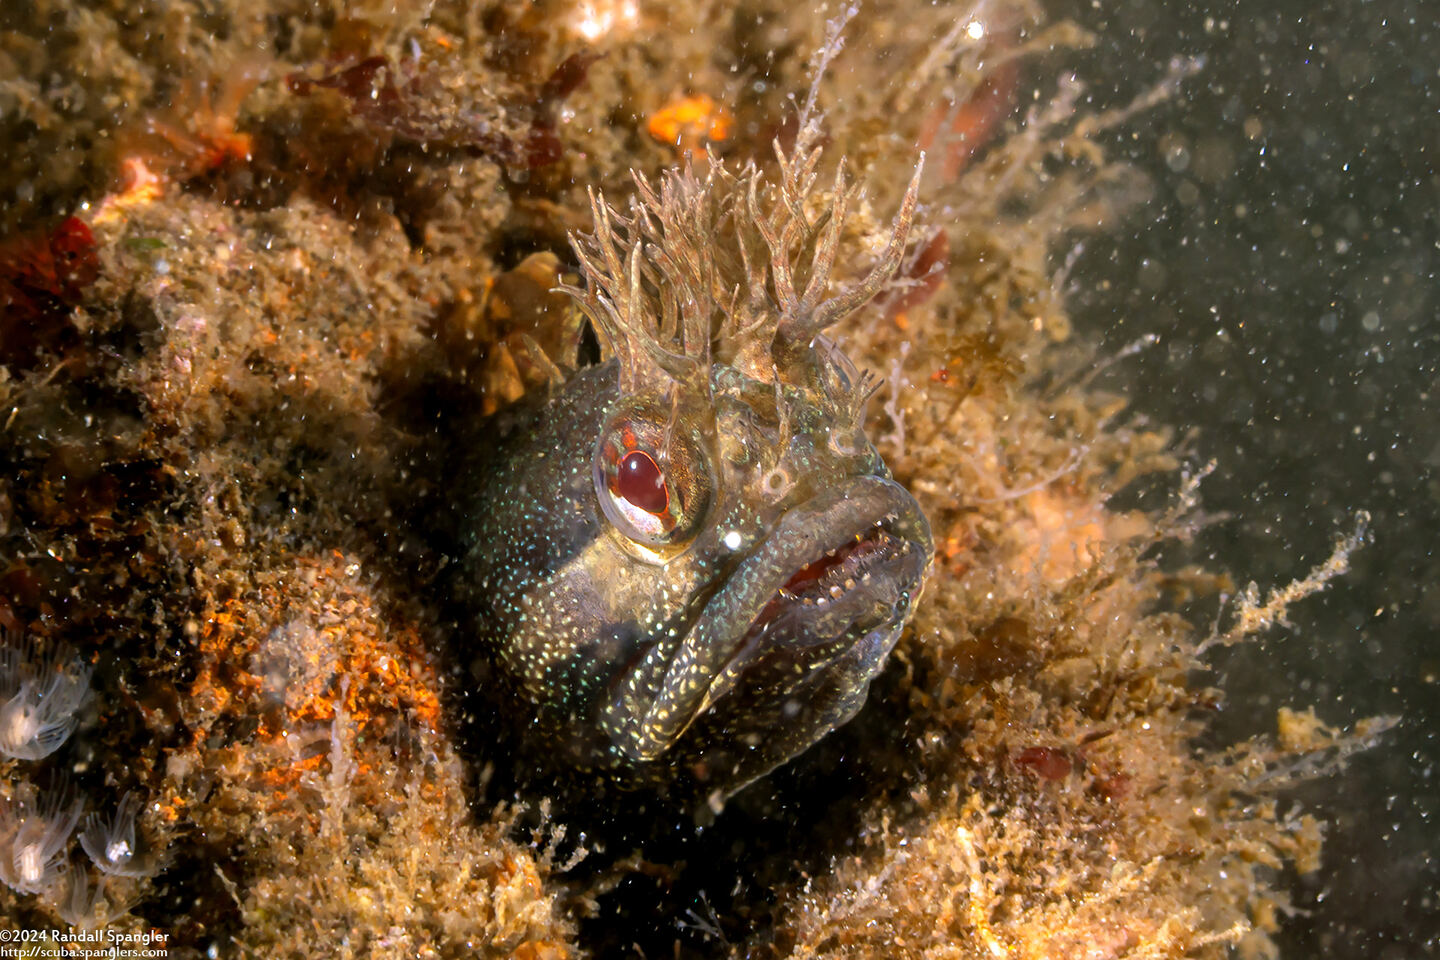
column 836, row 591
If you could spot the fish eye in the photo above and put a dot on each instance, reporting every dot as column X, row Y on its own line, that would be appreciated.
column 654, row 488
column 642, row 483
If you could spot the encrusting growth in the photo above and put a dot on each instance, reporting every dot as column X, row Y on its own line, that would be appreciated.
column 233, row 449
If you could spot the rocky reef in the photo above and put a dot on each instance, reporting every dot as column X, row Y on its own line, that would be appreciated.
column 258, row 257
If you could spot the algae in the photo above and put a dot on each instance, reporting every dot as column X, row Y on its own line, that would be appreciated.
column 212, row 485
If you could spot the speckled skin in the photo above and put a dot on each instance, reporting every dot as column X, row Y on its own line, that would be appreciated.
column 637, row 662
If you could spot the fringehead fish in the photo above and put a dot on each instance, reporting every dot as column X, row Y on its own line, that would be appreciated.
column 690, row 560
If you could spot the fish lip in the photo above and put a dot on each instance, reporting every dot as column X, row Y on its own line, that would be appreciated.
column 716, row 648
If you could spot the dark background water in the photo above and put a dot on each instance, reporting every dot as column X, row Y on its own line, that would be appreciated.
column 1288, row 261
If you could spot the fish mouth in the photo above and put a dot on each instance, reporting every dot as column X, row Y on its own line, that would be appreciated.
column 796, row 632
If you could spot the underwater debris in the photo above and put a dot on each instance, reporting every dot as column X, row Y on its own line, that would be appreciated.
column 33, row 838
column 1251, row 617
column 112, row 845
column 412, row 104
column 42, row 696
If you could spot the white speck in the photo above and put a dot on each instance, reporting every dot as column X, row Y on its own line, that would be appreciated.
column 975, row 30
column 732, row 540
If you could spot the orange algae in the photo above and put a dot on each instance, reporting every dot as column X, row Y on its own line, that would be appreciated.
column 379, row 676
column 198, row 131
column 307, row 691
column 690, row 124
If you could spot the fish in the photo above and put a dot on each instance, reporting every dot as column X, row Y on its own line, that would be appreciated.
column 689, row 561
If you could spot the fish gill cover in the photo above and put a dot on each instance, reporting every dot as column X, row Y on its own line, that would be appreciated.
column 326, row 241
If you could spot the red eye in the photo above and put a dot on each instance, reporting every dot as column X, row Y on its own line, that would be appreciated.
column 642, row 483
column 652, row 482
